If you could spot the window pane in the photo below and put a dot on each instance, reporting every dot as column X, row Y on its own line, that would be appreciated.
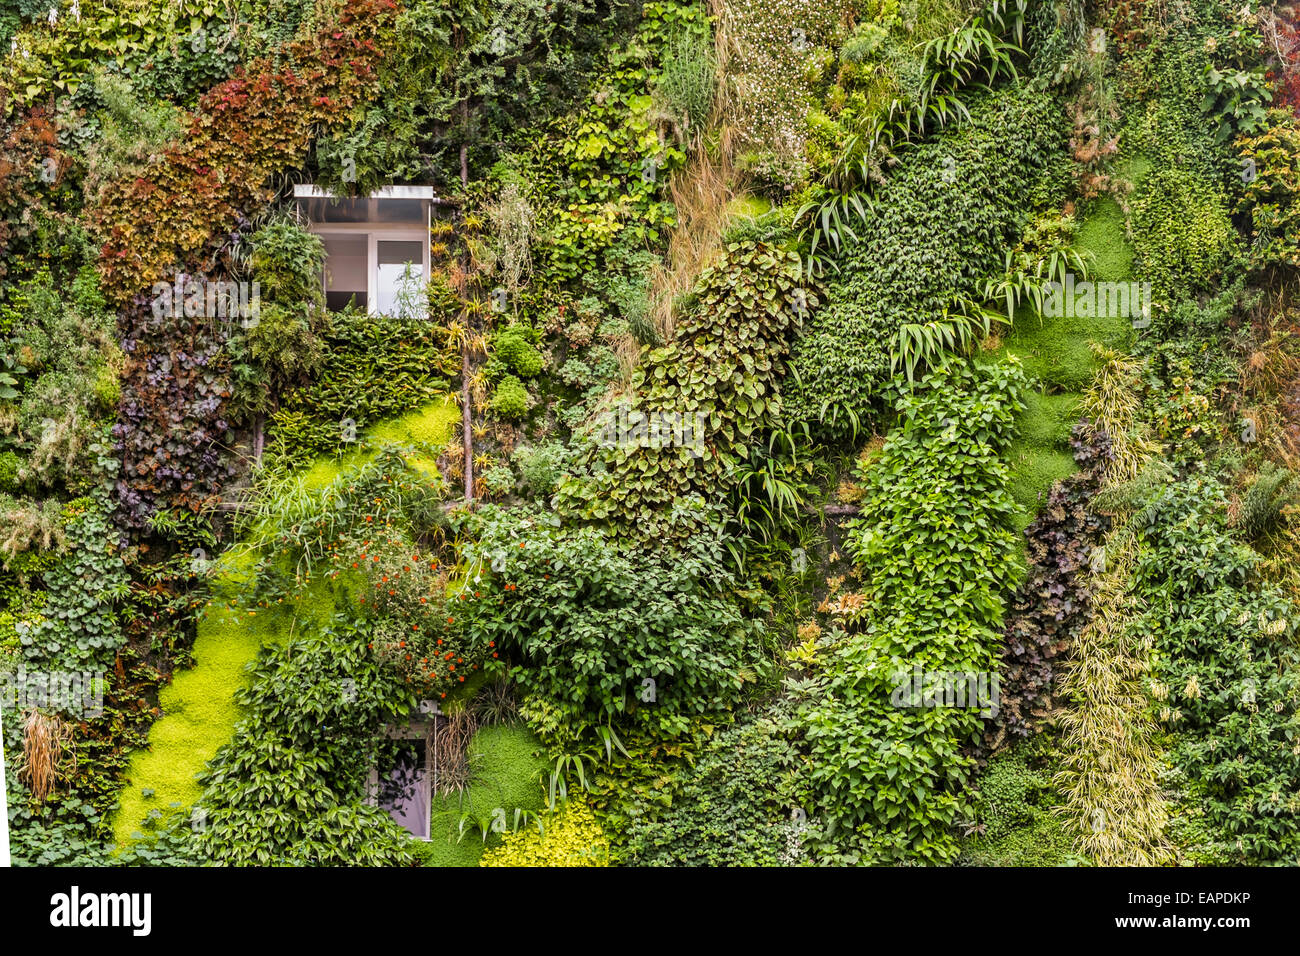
column 345, row 271
column 406, row 211
column 404, row 789
column 341, row 210
column 401, row 278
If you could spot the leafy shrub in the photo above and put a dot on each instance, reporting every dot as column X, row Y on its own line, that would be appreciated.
column 1182, row 232
column 86, row 589
column 604, row 631
column 732, row 808
column 540, row 466
column 280, row 349
column 1272, row 196
column 66, row 345
column 287, row 261
column 519, row 354
column 374, row 367
column 510, row 400
column 1225, row 675
column 289, row 787
column 724, row 362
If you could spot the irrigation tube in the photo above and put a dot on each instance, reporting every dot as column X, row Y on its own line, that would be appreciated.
column 4, row 799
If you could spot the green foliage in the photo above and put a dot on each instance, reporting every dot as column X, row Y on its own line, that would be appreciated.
column 135, row 37
column 723, row 364
column 287, row 261
column 932, row 238
column 604, row 631
column 65, row 346
column 1261, row 506
column 914, row 89
column 1182, row 232
column 732, row 809
column 540, row 467
column 1014, row 823
column 374, row 367
column 1236, row 100
column 1272, row 194
column 510, row 400
column 507, row 770
column 512, row 346
column 131, row 128
column 469, row 75
column 687, row 78
column 289, row 787
column 81, row 628
column 935, row 555
column 1224, row 682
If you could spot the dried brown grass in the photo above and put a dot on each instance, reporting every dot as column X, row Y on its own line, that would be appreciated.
column 49, row 754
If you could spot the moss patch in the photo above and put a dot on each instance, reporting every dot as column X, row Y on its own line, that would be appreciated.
column 507, row 764
column 1102, row 234
column 1056, row 353
column 429, row 428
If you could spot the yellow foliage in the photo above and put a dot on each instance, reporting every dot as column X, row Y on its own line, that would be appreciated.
column 570, row 837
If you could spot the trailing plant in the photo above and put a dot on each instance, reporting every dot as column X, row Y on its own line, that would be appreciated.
column 721, row 370
column 934, row 553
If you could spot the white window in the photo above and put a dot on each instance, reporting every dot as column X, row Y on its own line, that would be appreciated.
column 403, row 787
column 376, row 247
column 406, row 779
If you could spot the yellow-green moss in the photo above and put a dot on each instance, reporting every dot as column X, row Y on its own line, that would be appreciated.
column 430, row 428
